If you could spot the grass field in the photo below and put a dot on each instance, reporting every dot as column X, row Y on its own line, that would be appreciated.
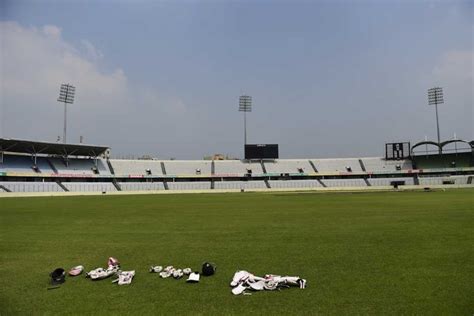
column 364, row 253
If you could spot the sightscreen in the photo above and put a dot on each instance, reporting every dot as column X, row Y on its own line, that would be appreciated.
column 261, row 151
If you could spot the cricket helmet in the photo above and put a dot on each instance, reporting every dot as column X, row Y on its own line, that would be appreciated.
column 208, row 269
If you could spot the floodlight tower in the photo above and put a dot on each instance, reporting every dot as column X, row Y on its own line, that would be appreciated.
column 245, row 105
column 66, row 96
column 435, row 97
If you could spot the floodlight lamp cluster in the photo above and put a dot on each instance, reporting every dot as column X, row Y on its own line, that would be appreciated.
column 435, row 96
column 66, row 93
column 245, row 103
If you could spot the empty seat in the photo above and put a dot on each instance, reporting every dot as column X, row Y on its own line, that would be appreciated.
column 277, row 184
column 188, row 167
column 18, row 186
column 89, row 186
column 236, row 167
column 380, row 164
column 289, row 166
column 141, row 186
column 194, row 185
column 344, row 183
column 337, row 165
column 240, row 185
column 388, row 181
column 136, row 167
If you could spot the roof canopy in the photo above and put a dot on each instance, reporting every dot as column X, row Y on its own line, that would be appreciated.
column 443, row 144
column 34, row 147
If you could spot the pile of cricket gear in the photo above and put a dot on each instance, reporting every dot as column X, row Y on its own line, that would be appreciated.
column 208, row 269
column 244, row 280
column 170, row 271
column 113, row 268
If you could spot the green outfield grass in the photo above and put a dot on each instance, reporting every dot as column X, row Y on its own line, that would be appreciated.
column 362, row 253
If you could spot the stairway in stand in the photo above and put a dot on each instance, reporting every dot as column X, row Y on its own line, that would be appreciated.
column 362, row 166
column 62, row 186
column 163, row 169
column 116, row 185
column 51, row 165
column 5, row 188
column 112, row 171
column 416, row 180
column 313, row 166
column 213, row 171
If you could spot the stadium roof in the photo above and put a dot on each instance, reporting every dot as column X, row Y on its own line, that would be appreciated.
column 444, row 144
column 45, row 148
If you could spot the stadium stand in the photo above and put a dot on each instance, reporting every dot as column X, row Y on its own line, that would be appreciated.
column 288, row 166
column 254, row 184
column 388, row 181
column 458, row 160
column 89, row 186
column 380, row 164
column 188, row 167
column 80, row 166
column 194, row 185
column 52, row 167
column 24, row 164
column 337, row 165
column 136, row 167
column 283, row 184
column 443, row 180
column 330, row 183
column 236, row 167
column 18, row 186
column 141, row 186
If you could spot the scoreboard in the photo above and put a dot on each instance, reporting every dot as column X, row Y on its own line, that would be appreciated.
column 397, row 151
column 261, row 151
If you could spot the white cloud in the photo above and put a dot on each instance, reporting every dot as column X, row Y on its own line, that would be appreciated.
column 91, row 51
column 114, row 110
column 108, row 109
column 36, row 62
column 52, row 31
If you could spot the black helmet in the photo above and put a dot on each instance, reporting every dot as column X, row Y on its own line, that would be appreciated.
column 208, row 269
column 58, row 276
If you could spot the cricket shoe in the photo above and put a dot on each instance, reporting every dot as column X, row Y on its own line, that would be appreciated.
column 101, row 273
column 165, row 274
column 156, row 269
column 178, row 274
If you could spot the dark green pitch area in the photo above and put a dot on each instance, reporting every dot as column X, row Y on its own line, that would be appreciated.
column 362, row 253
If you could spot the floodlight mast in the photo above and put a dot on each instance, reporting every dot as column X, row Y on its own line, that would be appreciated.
column 435, row 97
column 245, row 105
column 66, row 96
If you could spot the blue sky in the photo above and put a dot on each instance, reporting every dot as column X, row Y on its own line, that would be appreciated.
column 328, row 78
